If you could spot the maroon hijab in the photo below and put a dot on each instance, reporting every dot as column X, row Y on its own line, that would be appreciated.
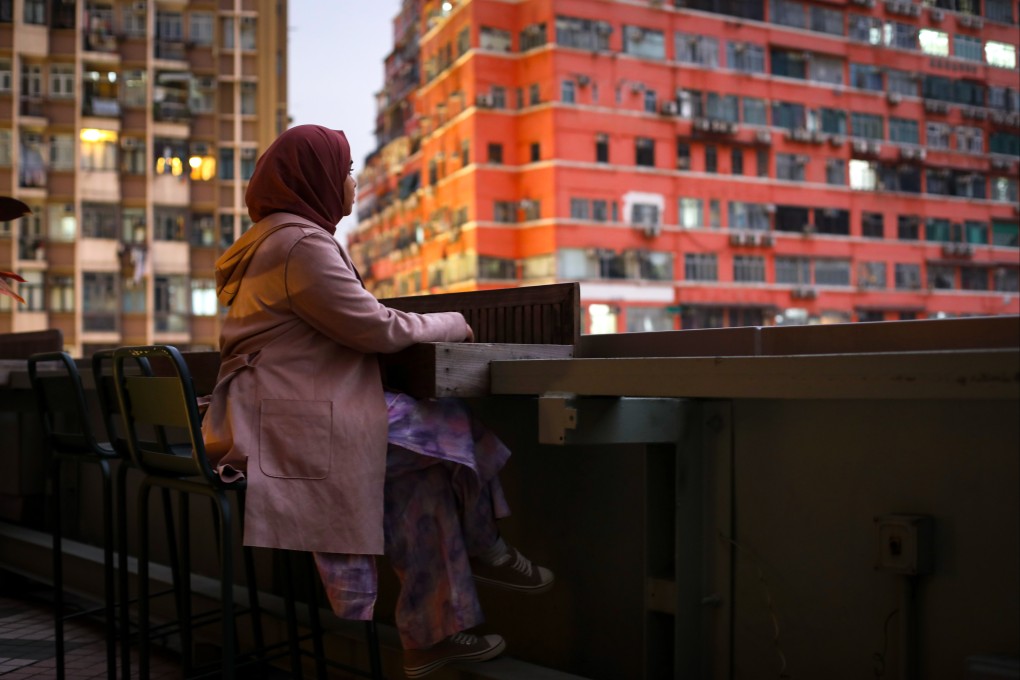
column 303, row 173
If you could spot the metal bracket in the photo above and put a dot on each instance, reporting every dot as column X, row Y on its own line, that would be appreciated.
column 556, row 415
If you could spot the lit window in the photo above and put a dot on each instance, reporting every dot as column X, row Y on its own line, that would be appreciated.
column 863, row 175
column 1000, row 55
column 934, row 42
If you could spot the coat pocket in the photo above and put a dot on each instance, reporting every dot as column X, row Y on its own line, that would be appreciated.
column 295, row 438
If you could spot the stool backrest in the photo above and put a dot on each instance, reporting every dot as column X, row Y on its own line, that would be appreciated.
column 109, row 407
column 163, row 400
column 60, row 396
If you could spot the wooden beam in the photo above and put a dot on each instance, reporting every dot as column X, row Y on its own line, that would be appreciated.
column 977, row 374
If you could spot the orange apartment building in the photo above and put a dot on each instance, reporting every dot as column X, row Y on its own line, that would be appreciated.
column 129, row 127
column 702, row 163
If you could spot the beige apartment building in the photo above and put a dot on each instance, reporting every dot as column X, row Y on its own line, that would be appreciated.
column 130, row 128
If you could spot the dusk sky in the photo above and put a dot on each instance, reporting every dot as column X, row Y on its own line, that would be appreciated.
column 336, row 57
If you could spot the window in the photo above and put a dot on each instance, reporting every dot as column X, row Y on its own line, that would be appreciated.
column 691, row 215
column 495, row 153
column 795, row 271
column 901, row 82
column 935, row 43
column 248, row 30
column 644, row 42
column 701, row 267
column 737, row 161
column 792, row 218
column 832, row 272
column 832, row 221
column 683, row 155
column 866, row 77
column 692, row 103
column 536, row 152
column 714, row 214
column 790, row 167
column 98, row 150
column 1005, row 143
column 936, row 229
column 60, row 293
column 203, row 297
column 200, row 28
column 872, row 275
column 863, row 175
column 835, row 171
column 579, row 208
column 903, row 36
column 788, row 13
column 1006, row 279
column 601, row 148
column 788, row 115
column 907, row 227
column 35, row 12
column 598, row 210
column 1004, row 189
column 1005, row 234
column 248, row 158
column 504, row 212
column 531, row 37
column 826, row 20
column 1000, row 55
column 644, row 214
column 723, row 107
column 746, row 57
column 494, row 39
column 62, row 152
column 762, row 159
column 171, row 301
column 973, row 278
column 644, row 152
column 755, row 111
column 711, row 159
column 534, row 94
column 789, row 63
column 940, row 277
column 866, row 125
column 937, row 135
column 697, row 49
column 134, row 90
column 749, row 269
column 647, row 319
column 100, row 220
column 966, row 47
column 651, row 102
column 750, row 216
column 170, row 224
column 583, row 34
column 865, row 29
column 62, row 80
column 970, row 139
column 248, row 99
column 908, row 276
column 833, row 121
column 999, row 10
column 99, row 301
column 568, row 92
column 904, row 131
column 824, row 69
column 872, row 225
column 226, row 163
column 975, row 232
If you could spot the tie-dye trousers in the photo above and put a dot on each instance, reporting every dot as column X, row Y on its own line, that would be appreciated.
column 442, row 498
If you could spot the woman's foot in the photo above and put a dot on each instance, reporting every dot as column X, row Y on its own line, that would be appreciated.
column 458, row 648
column 512, row 571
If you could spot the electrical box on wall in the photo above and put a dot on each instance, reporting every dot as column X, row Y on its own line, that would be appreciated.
column 906, row 544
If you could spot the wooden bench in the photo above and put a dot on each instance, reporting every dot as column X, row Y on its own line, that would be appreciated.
column 533, row 322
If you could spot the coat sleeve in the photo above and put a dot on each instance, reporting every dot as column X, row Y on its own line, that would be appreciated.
column 327, row 294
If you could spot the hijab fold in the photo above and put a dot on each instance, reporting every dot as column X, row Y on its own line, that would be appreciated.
column 302, row 173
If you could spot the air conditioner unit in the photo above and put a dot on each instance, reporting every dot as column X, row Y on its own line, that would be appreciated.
column 484, row 100
column 763, row 136
column 139, row 6
column 635, row 34
column 737, row 238
column 602, row 28
column 837, row 140
column 205, row 82
column 937, row 14
column 637, row 87
column 669, row 108
column 583, row 81
column 804, row 293
column 894, row 98
column 874, row 148
column 860, row 146
column 913, row 9
column 652, row 230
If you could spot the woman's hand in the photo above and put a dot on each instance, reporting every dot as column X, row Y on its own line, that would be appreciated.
column 470, row 334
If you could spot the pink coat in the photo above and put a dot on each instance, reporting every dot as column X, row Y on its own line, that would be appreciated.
column 298, row 405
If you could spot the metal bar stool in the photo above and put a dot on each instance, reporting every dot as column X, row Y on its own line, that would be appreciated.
column 164, row 439
column 65, row 419
column 102, row 375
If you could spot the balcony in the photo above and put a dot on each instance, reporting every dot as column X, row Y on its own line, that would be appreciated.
column 101, row 106
column 173, row 50
column 172, row 112
column 100, row 41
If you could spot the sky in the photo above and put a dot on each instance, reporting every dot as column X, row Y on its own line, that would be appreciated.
column 337, row 48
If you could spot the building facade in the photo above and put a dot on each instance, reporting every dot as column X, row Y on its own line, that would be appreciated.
column 129, row 128
column 702, row 163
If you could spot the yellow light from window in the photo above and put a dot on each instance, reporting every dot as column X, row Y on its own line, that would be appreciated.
column 92, row 135
column 176, row 166
column 203, row 168
column 195, row 162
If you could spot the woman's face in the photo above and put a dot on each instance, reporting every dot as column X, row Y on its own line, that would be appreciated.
column 350, row 184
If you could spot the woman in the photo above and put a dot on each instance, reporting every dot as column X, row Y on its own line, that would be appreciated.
column 335, row 465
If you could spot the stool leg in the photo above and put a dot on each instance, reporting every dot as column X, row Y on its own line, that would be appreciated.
column 58, row 567
column 183, row 592
column 227, row 587
column 372, row 638
column 108, row 576
column 253, row 589
column 288, row 600
column 312, row 578
column 122, row 572
column 143, row 581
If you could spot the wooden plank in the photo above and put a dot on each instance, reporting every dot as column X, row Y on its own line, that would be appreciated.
column 456, row 369
column 977, row 374
column 548, row 314
column 708, row 342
